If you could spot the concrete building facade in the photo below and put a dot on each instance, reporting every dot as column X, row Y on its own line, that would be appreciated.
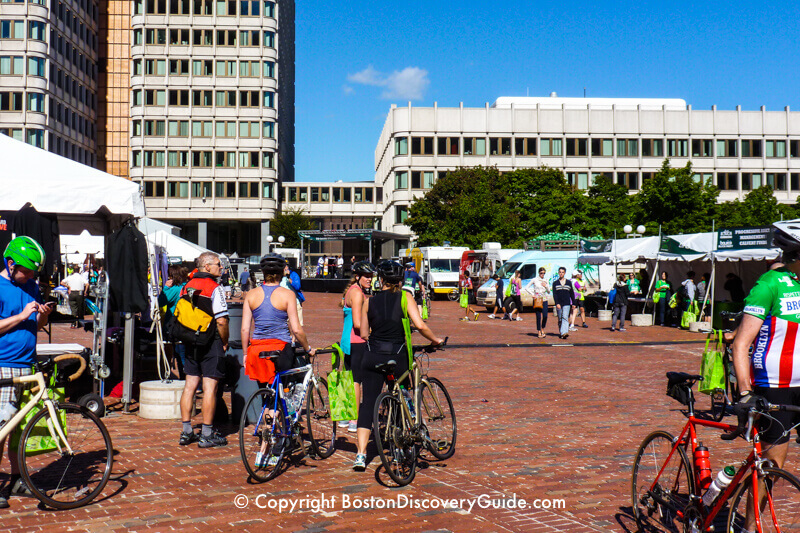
column 625, row 139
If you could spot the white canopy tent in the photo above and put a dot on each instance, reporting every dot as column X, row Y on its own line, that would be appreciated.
column 175, row 246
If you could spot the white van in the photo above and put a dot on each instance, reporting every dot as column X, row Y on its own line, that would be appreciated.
column 437, row 265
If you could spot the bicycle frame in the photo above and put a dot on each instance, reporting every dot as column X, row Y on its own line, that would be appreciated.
column 276, row 386
column 55, row 429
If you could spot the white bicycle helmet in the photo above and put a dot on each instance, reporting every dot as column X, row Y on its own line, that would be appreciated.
column 786, row 236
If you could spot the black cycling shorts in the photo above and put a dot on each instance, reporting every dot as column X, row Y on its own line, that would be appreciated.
column 771, row 430
column 205, row 361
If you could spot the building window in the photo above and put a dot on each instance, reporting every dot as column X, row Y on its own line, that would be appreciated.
column 728, row 181
column 627, row 148
column 269, row 99
column 202, row 98
column 249, row 159
column 795, row 177
column 226, row 99
column 248, row 189
column 13, row 65
column 499, row 145
column 36, row 66
column 269, row 69
column 226, row 129
column 400, row 214
column 10, row 101
column 751, row 148
column 12, row 29
column 629, row 180
column 777, row 181
column 179, row 7
column 225, row 159
column 249, row 129
column 136, row 159
column 178, row 98
column 201, row 159
column 156, row 36
column 201, row 189
column 447, row 146
column 154, row 189
column 249, row 38
column 248, row 98
column 179, row 67
column 226, row 69
column 269, row 130
column 269, row 9
column 250, row 69
column 179, row 37
column 35, row 137
column 36, row 102
column 776, row 149
column 550, row 147
column 178, row 189
column 703, row 177
column 153, row 158
column 474, row 146
column 341, row 194
column 525, row 146
column 225, row 189
column 576, row 147
column 269, row 39
column 202, row 7
column 266, row 190
column 401, row 146
column 320, row 194
column 401, row 180
column 602, row 147
column 202, row 128
column 178, row 128
column 794, row 148
column 269, row 160
column 751, row 181
column 677, row 148
column 36, row 30
column 421, row 145
column 250, row 8
column 136, row 128
column 203, row 37
column 578, row 180
column 702, row 148
column 226, row 8
column 178, row 158
column 202, row 67
column 652, row 148
column 727, row 148
column 155, row 67
column 226, row 37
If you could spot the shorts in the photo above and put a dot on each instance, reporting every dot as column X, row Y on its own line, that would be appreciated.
column 498, row 302
column 356, row 357
column 771, row 430
column 580, row 303
column 12, row 393
column 205, row 361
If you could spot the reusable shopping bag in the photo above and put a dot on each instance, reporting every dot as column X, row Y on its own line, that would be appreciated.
column 463, row 300
column 424, row 309
column 656, row 297
column 673, row 301
column 40, row 440
column 341, row 391
column 712, row 369
column 690, row 315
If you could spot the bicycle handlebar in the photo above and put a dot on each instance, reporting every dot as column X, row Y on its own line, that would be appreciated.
column 429, row 348
column 75, row 356
column 761, row 407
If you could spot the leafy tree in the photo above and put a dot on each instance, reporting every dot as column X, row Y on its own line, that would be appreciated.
column 759, row 208
column 608, row 207
column 288, row 222
column 675, row 201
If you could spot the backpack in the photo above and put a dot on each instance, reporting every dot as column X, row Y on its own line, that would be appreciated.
column 190, row 323
column 612, row 295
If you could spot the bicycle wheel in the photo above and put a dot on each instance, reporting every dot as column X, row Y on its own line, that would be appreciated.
column 393, row 439
column 779, row 509
column 321, row 428
column 263, row 438
column 439, row 417
column 59, row 479
column 659, row 499
column 452, row 295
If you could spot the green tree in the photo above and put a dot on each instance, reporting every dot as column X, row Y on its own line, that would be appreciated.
column 673, row 200
column 288, row 222
column 608, row 208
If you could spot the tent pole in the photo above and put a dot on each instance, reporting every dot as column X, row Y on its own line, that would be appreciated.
column 369, row 245
column 302, row 264
column 652, row 285
column 127, row 365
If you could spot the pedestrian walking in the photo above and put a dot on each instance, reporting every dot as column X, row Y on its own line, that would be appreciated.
column 498, row 297
column 620, row 306
column 564, row 298
column 516, row 295
column 580, row 308
column 541, row 294
column 467, row 297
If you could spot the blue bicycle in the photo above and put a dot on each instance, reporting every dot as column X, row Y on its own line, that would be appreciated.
column 270, row 427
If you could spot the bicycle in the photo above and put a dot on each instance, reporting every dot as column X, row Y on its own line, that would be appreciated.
column 65, row 452
column 666, row 477
column 399, row 429
column 275, row 420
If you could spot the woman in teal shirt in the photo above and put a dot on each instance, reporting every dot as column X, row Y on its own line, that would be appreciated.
column 167, row 300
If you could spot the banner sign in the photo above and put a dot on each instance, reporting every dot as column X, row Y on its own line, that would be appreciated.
column 596, row 247
column 671, row 246
column 741, row 238
column 335, row 235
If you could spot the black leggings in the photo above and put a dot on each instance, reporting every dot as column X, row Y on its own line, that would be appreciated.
column 372, row 381
column 541, row 316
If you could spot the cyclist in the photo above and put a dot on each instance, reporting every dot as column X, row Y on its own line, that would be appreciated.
column 269, row 321
column 382, row 327
column 770, row 323
column 22, row 314
column 413, row 283
column 357, row 291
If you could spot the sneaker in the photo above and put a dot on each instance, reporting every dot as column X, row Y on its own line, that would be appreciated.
column 343, row 423
column 476, row 317
column 273, row 460
column 491, row 316
column 261, row 459
column 612, row 329
column 188, row 438
column 519, row 319
column 20, row 488
column 360, row 464
column 623, row 329
column 572, row 328
column 464, row 319
column 586, row 325
column 352, row 427
column 215, row 439
column 565, row 335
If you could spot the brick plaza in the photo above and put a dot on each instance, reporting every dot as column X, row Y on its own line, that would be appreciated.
column 537, row 418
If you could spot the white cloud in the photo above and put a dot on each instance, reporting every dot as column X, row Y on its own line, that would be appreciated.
column 408, row 84
column 346, row 89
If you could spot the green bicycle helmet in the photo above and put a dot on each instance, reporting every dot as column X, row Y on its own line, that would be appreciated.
column 25, row 252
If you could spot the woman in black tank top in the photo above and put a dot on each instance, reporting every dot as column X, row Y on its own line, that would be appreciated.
column 382, row 326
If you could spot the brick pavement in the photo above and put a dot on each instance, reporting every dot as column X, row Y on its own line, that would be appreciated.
column 553, row 420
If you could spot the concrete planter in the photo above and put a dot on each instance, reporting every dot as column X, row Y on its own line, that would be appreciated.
column 642, row 320
column 159, row 400
column 699, row 327
column 604, row 315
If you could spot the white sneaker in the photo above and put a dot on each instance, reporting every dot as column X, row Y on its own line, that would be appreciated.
column 491, row 316
column 519, row 319
column 352, row 426
column 571, row 328
column 360, row 464
column 343, row 423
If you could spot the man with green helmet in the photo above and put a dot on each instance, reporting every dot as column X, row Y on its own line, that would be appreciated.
column 22, row 314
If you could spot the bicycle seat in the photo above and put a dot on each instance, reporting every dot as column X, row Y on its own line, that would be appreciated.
column 387, row 367
column 677, row 378
column 270, row 355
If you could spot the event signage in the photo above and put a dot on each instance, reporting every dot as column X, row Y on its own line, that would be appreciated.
column 672, row 246
column 596, row 246
column 741, row 238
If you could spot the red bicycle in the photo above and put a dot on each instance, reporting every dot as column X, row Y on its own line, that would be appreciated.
column 671, row 475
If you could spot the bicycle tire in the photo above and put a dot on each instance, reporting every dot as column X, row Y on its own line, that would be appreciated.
column 782, row 506
column 258, row 435
column 453, row 295
column 319, row 424
column 674, row 489
column 439, row 418
column 57, row 479
column 392, row 437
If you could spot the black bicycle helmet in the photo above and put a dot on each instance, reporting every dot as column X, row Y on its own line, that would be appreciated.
column 390, row 271
column 273, row 263
column 364, row 268
column 786, row 236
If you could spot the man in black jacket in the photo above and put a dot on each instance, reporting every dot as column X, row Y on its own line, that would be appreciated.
column 564, row 298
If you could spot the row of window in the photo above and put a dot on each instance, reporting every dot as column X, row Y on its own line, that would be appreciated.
column 32, row 136
column 204, row 128
column 203, row 67
column 69, row 118
column 203, row 37
column 15, row 66
column 72, row 87
column 583, row 147
column 203, row 98
column 56, row 144
column 202, row 159
column 220, row 8
column 335, row 194
column 72, row 21
column 19, row 101
column 73, row 55
column 15, row 29
column 208, row 189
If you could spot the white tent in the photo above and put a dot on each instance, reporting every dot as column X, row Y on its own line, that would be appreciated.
column 76, row 247
column 83, row 197
column 175, row 246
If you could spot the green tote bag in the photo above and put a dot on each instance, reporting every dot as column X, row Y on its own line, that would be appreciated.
column 341, row 391
column 712, row 368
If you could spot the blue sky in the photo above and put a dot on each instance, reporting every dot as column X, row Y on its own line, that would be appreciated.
column 356, row 58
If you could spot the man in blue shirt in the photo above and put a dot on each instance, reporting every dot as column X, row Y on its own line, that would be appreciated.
column 412, row 282
column 291, row 281
column 22, row 314
column 244, row 277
